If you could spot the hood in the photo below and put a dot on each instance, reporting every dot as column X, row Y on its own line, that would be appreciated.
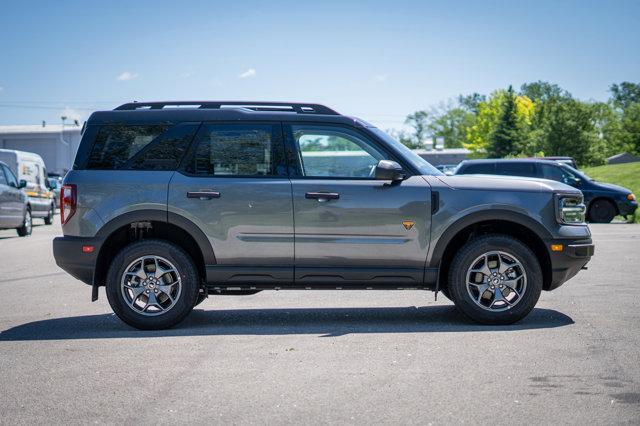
column 611, row 187
column 505, row 183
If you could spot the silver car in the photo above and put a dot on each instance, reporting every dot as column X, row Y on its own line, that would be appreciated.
column 15, row 211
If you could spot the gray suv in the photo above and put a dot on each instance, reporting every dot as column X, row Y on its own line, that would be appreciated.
column 169, row 202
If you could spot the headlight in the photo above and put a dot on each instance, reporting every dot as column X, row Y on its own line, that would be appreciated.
column 570, row 209
column 631, row 197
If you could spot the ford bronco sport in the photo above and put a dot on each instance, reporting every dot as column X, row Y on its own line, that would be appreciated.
column 169, row 202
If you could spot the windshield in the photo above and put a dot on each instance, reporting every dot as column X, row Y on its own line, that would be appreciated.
column 416, row 161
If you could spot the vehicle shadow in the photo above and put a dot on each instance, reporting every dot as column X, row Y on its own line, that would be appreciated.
column 325, row 322
column 14, row 234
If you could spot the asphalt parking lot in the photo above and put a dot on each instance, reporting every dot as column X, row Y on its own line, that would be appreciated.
column 320, row 357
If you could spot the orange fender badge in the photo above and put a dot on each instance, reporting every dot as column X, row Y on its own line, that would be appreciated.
column 408, row 224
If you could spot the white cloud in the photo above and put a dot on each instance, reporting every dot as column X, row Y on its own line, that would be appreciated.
column 186, row 75
column 71, row 115
column 126, row 76
column 248, row 73
column 380, row 77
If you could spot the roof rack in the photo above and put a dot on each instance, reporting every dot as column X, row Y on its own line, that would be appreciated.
column 299, row 108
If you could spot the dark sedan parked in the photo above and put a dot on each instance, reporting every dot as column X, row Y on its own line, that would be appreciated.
column 604, row 201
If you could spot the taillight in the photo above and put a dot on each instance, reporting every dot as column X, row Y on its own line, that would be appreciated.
column 68, row 202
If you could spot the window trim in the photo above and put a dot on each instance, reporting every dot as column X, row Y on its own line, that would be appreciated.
column 293, row 153
column 279, row 140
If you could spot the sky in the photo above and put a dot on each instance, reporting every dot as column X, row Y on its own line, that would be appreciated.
column 378, row 60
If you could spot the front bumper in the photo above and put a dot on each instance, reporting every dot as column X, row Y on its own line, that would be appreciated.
column 567, row 263
column 627, row 208
column 69, row 256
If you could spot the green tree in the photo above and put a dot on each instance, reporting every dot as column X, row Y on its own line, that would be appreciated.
column 419, row 122
column 630, row 129
column 471, row 102
column 569, row 130
column 625, row 94
column 506, row 137
column 542, row 91
column 452, row 125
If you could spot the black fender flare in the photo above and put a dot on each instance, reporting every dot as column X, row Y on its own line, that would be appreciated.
column 483, row 216
column 161, row 216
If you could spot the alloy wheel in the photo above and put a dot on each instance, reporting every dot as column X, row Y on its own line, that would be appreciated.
column 151, row 285
column 496, row 281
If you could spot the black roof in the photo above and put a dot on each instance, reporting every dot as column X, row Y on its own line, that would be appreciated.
column 510, row 160
column 183, row 111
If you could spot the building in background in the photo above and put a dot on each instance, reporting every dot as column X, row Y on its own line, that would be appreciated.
column 443, row 156
column 56, row 144
column 623, row 158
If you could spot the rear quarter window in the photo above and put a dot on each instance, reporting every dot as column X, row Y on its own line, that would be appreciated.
column 140, row 147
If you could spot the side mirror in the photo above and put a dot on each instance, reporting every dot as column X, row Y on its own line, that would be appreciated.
column 389, row 170
column 22, row 184
column 574, row 181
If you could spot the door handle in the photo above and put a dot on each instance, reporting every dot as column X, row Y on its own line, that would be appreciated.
column 203, row 195
column 322, row 196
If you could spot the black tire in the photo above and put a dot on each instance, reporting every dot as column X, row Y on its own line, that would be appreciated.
column 48, row 220
column 27, row 224
column 186, row 271
column 601, row 211
column 475, row 248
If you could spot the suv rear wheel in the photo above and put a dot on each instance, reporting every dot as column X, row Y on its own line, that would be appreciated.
column 495, row 279
column 152, row 285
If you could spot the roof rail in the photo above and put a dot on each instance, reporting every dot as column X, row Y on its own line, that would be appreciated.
column 300, row 108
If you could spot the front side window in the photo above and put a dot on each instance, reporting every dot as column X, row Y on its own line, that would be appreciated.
column 3, row 179
column 326, row 151
column 11, row 178
column 551, row 172
column 237, row 150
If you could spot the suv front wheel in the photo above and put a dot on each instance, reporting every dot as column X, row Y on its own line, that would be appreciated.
column 152, row 284
column 495, row 279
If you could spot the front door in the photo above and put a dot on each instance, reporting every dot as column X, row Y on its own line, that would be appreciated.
column 234, row 187
column 351, row 229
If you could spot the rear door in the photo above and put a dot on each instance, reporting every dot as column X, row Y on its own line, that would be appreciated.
column 233, row 185
column 351, row 229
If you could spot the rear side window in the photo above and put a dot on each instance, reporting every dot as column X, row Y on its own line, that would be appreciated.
column 516, row 168
column 115, row 145
column 480, row 169
column 140, row 147
column 237, row 150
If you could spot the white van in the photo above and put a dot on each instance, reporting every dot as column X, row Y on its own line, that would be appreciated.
column 30, row 167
